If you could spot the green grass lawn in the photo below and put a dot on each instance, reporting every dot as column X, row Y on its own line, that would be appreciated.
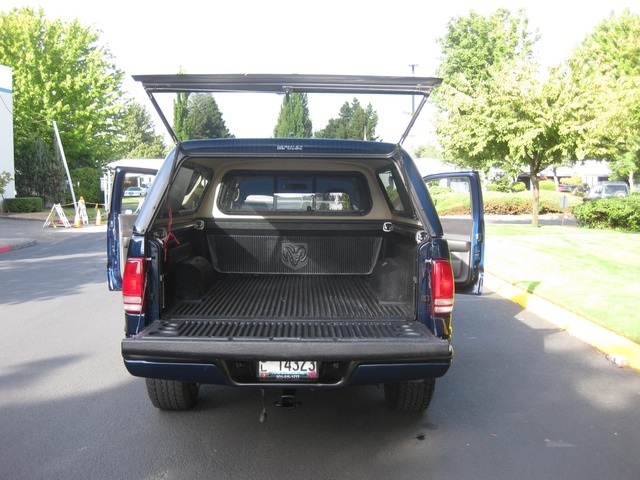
column 594, row 273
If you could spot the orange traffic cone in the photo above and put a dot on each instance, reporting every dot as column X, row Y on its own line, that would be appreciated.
column 77, row 223
column 98, row 218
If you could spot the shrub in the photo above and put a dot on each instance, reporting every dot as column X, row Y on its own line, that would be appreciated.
column 508, row 206
column 506, row 187
column 496, row 203
column 438, row 190
column 518, row 187
column 617, row 213
column 5, row 178
column 574, row 181
column 548, row 185
column 24, row 204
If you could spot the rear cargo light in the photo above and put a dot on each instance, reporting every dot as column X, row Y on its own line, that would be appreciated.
column 442, row 288
column 133, row 285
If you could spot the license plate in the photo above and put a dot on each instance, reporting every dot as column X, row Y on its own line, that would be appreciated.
column 288, row 370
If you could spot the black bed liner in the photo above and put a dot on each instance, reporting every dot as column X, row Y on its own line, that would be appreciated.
column 295, row 297
column 323, row 318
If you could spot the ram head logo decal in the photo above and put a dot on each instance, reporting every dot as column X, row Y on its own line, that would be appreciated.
column 294, row 255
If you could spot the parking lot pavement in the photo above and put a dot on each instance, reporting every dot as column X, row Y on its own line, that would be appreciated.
column 18, row 233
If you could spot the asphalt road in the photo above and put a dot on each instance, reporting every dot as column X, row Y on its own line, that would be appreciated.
column 523, row 400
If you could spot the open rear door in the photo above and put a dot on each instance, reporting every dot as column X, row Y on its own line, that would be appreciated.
column 129, row 191
column 463, row 229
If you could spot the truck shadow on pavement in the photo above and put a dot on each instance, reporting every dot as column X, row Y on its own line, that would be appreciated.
column 52, row 272
column 517, row 387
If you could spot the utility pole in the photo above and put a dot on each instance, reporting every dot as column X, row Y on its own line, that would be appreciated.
column 413, row 109
column 64, row 162
column 413, row 99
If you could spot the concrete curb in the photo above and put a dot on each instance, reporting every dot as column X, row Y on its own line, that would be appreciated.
column 621, row 351
column 17, row 246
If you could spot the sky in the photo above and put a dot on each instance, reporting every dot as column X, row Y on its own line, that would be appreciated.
column 296, row 36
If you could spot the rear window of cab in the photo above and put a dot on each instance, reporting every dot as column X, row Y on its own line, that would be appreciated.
column 294, row 193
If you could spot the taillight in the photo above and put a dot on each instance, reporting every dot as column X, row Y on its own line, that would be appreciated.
column 133, row 285
column 442, row 288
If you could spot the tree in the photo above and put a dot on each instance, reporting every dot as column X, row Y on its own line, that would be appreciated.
column 5, row 179
column 41, row 172
column 495, row 108
column 627, row 165
column 204, row 119
column 180, row 110
column 606, row 72
column 353, row 123
column 294, row 120
column 429, row 151
column 474, row 44
column 140, row 137
column 86, row 184
column 61, row 73
column 516, row 121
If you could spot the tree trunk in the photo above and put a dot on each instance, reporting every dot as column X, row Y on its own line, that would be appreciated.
column 535, row 188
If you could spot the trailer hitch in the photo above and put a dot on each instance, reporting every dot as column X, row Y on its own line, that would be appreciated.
column 288, row 400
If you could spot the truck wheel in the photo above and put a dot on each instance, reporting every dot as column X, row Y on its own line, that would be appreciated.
column 409, row 396
column 171, row 395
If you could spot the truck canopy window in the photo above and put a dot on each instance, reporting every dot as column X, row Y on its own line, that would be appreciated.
column 187, row 190
column 394, row 191
column 275, row 193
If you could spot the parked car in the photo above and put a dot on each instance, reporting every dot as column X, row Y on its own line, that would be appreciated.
column 580, row 189
column 135, row 192
column 607, row 190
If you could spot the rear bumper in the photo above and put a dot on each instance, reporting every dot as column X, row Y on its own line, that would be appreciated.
column 218, row 374
column 224, row 352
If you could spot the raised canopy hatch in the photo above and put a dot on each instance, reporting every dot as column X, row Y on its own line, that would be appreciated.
column 286, row 84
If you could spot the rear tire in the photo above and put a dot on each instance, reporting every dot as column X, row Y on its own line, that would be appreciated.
column 171, row 395
column 409, row 396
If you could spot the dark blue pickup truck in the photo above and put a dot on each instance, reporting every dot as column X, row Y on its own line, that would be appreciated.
column 290, row 263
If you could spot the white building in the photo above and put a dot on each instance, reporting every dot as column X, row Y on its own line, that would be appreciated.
column 6, row 129
column 590, row 171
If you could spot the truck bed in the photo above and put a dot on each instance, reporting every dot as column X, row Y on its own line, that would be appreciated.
column 289, row 297
column 301, row 317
